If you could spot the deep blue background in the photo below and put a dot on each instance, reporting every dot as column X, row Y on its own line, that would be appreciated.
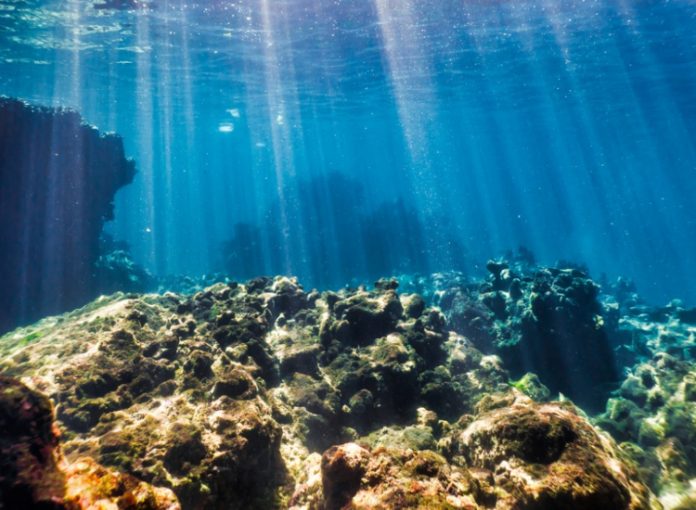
column 568, row 127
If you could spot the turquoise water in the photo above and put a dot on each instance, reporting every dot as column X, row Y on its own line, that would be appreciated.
column 341, row 140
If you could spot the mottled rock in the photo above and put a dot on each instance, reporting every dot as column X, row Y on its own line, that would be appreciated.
column 342, row 468
column 33, row 473
column 547, row 321
column 548, row 456
column 229, row 397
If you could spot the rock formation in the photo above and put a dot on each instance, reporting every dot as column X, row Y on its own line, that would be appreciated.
column 58, row 178
column 34, row 474
column 261, row 395
column 547, row 321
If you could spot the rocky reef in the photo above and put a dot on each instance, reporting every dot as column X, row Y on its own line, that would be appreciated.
column 34, row 474
column 653, row 412
column 548, row 321
column 264, row 395
column 58, row 178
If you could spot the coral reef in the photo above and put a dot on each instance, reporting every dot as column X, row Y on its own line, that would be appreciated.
column 264, row 395
column 33, row 473
column 58, row 178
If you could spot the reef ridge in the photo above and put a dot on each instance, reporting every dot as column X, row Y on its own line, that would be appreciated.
column 264, row 395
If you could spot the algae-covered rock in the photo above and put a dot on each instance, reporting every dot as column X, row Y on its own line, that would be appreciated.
column 520, row 456
column 548, row 456
column 655, row 410
column 531, row 385
column 160, row 398
column 547, row 321
column 230, row 396
column 33, row 473
column 354, row 477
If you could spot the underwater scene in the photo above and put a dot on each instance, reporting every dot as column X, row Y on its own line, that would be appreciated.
column 347, row 254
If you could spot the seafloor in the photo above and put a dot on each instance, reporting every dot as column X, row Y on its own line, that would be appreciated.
column 262, row 395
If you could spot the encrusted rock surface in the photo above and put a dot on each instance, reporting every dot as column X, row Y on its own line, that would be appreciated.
column 547, row 456
column 33, row 473
column 518, row 455
column 262, row 395
column 548, row 321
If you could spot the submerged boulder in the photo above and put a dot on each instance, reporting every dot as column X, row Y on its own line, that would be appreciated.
column 58, row 178
column 356, row 478
column 519, row 456
column 548, row 456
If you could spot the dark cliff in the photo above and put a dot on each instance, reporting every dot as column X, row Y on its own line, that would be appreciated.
column 58, row 178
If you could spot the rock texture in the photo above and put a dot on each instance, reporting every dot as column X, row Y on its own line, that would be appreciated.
column 517, row 455
column 548, row 321
column 654, row 410
column 548, row 456
column 33, row 473
column 58, row 178
column 262, row 395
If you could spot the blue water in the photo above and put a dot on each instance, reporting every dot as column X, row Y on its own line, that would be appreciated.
column 341, row 139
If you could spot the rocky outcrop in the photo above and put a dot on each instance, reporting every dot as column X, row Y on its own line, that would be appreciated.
column 58, row 178
column 654, row 414
column 201, row 393
column 361, row 479
column 547, row 321
column 547, row 456
column 33, row 473
column 518, row 455
column 263, row 395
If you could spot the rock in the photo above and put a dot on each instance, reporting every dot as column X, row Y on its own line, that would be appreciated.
column 413, row 304
column 342, row 468
column 369, row 316
column 33, row 473
column 356, row 478
column 303, row 359
column 29, row 457
column 548, row 456
column 531, row 386
column 228, row 397
column 549, row 322
column 235, row 384
column 85, row 168
column 90, row 485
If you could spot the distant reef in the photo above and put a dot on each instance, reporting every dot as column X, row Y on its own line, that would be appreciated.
column 263, row 395
column 58, row 178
